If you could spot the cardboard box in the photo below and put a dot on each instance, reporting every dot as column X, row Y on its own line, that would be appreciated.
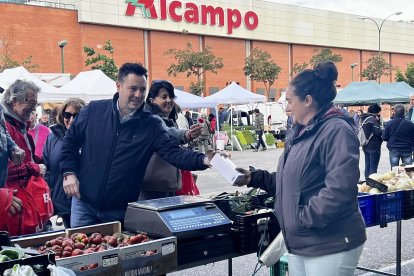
column 226, row 168
column 130, row 260
column 135, row 259
column 103, row 263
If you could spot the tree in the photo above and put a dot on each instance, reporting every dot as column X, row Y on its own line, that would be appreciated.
column 8, row 48
column 408, row 76
column 297, row 68
column 260, row 67
column 325, row 54
column 319, row 55
column 101, row 61
column 194, row 63
column 376, row 68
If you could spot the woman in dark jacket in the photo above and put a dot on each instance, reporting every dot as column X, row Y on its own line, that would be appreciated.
column 315, row 185
column 160, row 102
column 372, row 129
column 51, row 156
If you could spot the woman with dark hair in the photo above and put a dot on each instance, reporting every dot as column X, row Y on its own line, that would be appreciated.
column 371, row 126
column 160, row 102
column 315, row 185
column 51, row 156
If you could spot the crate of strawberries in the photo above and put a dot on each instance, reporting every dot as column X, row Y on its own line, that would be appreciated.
column 103, row 249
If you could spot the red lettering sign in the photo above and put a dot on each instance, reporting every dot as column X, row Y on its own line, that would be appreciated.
column 192, row 14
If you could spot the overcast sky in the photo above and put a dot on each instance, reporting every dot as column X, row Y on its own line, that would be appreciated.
column 371, row 8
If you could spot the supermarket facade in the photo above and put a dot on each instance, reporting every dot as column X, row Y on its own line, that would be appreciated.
column 142, row 30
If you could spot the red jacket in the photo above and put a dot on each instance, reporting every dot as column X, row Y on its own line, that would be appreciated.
column 6, row 196
column 29, row 167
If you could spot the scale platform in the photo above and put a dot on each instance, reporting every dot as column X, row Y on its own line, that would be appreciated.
column 180, row 216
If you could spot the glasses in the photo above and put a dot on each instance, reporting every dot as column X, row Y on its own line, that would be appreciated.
column 30, row 101
column 68, row 115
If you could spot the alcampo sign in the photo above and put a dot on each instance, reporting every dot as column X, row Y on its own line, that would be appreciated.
column 192, row 13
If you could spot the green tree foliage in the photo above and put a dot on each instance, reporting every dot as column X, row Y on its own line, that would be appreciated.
column 376, row 67
column 103, row 62
column 324, row 54
column 260, row 67
column 319, row 55
column 8, row 49
column 297, row 68
column 408, row 76
column 194, row 63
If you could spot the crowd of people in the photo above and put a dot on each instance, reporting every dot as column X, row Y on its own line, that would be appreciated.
column 100, row 156
column 91, row 149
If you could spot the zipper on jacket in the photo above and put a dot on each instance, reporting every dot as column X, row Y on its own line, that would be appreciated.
column 110, row 159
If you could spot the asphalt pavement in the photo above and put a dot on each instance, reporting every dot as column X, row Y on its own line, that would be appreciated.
column 379, row 250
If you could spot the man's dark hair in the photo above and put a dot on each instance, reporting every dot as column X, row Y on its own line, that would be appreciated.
column 256, row 110
column 374, row 109
column 399, row 111
column 131, row 68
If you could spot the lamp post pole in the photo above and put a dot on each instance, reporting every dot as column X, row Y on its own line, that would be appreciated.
column 379, row 27
column 62, row 45
column 352, row 70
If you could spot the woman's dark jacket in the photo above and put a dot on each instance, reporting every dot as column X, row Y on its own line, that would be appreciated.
column 51, row 157
column 371, row 125
column 316, row 187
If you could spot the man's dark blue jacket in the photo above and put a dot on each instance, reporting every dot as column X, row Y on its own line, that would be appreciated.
column 114, row 156
column 399, row 133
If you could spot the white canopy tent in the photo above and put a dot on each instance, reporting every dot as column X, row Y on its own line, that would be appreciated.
column 11, row 75
column 87, row 85
column 235, row 94
column 190, row 101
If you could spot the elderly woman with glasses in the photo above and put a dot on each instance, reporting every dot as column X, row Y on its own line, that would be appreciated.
column 19, row 101
column 51, row 156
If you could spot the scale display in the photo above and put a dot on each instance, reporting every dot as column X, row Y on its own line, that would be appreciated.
column 180, row 216
column 194, row 218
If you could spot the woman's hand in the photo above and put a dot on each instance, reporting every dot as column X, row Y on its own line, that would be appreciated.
column 243, row 180
column 194, row 132
column 16, row 205
column 17, row 155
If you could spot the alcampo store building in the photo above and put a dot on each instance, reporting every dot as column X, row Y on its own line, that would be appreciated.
column 142, row 30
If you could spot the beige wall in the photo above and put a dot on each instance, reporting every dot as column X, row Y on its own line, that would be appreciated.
column 277, row 23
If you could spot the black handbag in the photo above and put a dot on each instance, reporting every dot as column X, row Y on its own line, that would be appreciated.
column 161, row 176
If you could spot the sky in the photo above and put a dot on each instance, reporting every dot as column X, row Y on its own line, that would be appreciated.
column 370, row 8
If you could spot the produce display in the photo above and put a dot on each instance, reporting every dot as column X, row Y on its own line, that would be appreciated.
column 10, row 254
column 401, row 182
column 79, row 243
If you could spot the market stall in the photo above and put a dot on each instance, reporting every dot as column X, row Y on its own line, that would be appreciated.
column 160, row 236
column 234, row 94
column 365, row 93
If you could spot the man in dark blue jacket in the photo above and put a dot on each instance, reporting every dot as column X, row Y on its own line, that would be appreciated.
column 399, row 133
column 117, row 139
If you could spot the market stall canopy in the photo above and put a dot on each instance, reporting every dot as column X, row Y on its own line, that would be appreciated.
column 365, row 93
column 188, row 100
column 88, row 85
column 401, row 88
column 235, row 94
column 11, row 75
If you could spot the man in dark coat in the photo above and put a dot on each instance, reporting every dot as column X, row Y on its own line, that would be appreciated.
column 117, row 138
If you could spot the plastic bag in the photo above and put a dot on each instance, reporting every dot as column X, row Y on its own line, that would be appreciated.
column 60, row 271
column 18, row 270
column 189, row 185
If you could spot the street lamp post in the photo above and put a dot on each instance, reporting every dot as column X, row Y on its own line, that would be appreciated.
column 379, row 27
column 352, row 70
column 61, row 45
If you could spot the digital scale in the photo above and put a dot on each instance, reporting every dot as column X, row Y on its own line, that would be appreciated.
column 180, row 216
